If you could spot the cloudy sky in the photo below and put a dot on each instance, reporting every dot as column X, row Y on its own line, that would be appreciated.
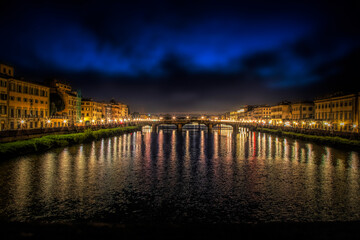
column 179, row 56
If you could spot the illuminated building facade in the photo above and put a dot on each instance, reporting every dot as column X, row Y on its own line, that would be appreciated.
column 24, row 105
column 302, row 111
column 262, row 112
column 65, row 104
column 338, row 112
column 92, row 112
column 280, row 112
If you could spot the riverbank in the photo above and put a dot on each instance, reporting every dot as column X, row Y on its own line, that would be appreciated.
column 333, row 141
column 35, row 145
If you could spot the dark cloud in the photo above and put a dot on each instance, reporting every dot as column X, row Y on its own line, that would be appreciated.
column 182, row 56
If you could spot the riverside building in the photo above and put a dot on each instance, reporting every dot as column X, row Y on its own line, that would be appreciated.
column 262, row 112
column 65, row 104
column 339, row 112
column 92, row 112
column 24, row 104
column 302, row 114
column 280, row 113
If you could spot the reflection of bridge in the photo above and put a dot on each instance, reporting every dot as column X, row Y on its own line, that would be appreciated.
column 180, row 123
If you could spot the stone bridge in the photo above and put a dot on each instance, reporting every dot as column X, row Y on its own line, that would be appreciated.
column 180, row 123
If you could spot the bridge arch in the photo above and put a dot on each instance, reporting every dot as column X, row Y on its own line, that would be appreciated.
column 181, row 123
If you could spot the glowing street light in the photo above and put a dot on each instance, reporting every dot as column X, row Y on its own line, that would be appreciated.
column 174, row 117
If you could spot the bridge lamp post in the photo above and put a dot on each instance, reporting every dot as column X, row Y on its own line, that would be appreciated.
column 173, row 117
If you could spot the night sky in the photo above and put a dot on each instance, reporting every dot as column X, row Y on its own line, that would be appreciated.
column 178, row 56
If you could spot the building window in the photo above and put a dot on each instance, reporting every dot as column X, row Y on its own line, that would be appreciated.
column 3, row 96
column 19, row 99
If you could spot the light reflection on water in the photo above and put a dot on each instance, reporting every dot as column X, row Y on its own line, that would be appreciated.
column 183, row 177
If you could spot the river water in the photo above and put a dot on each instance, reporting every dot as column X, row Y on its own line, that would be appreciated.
column 187, row 177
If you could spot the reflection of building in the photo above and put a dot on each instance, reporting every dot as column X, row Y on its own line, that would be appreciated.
column 65, row 103
column 339, row 112
column 280, row 112
column 23, row 104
